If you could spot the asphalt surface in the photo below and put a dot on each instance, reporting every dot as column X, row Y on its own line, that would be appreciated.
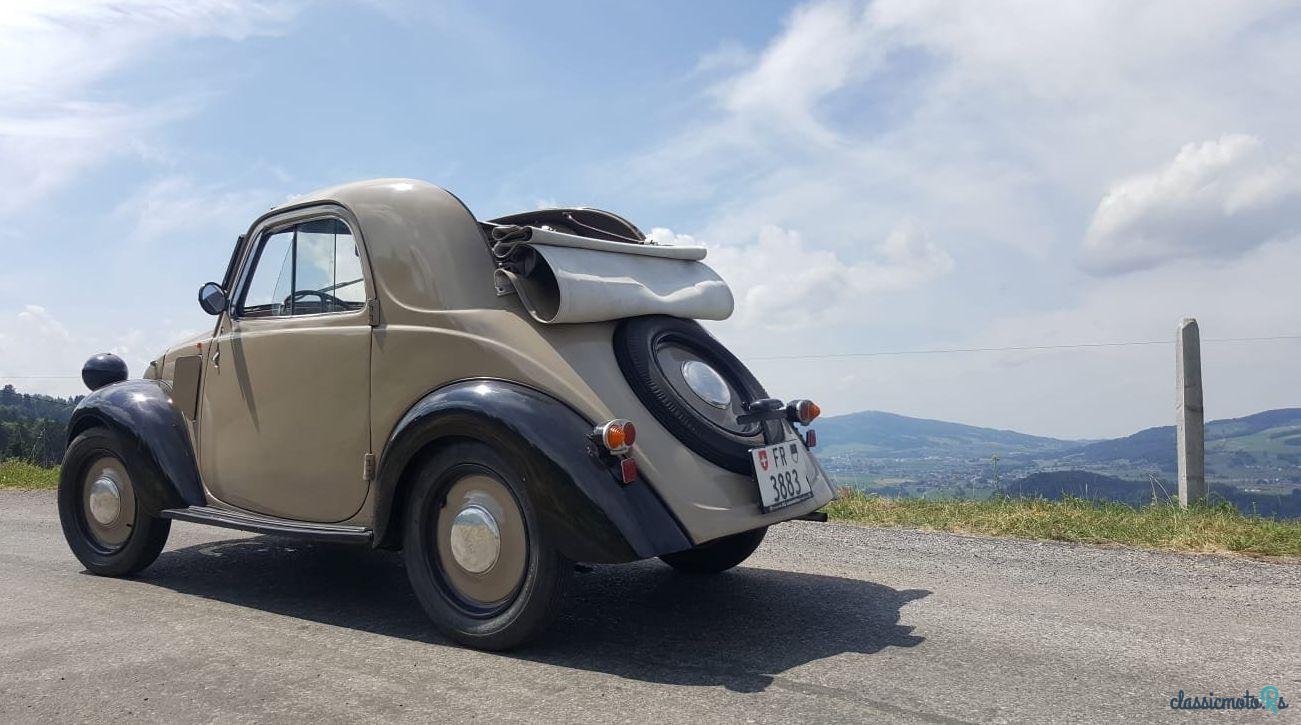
column 826, row 622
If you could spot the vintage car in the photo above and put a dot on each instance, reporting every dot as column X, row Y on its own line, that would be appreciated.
column 498, row 400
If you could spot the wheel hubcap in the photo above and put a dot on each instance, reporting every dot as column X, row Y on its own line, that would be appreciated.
column 108, row 503
column 105, row 500
column 481, row 542
column 475, row 539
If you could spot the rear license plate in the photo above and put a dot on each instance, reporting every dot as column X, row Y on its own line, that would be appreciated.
column 785, row 473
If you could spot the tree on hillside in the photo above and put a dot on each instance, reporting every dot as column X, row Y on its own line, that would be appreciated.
column 33, row 427
column 17, row 436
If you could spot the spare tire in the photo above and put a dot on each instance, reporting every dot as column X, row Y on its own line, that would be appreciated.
column 694, row 387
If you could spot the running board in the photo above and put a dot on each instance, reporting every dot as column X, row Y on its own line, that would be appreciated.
column 270, row 525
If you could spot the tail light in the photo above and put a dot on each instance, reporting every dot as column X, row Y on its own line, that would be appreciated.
column 802, row 411
column 616, row 436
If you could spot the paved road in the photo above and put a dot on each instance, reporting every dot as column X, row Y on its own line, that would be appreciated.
column 826, row 623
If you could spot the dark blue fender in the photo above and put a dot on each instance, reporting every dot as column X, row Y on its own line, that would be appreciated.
column 590, row 515
column 158, row 451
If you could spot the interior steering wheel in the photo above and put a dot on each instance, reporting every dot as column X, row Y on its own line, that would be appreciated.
column 325, row 297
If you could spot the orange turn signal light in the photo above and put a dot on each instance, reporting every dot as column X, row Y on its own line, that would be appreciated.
column 617, row 435
column 802, row 411
column 614, row 437
column 809, row 410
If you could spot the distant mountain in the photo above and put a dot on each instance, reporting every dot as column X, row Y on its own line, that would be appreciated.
column 1240, row 447
column 1269, row 437
column 876, row 434
column 1155, row 446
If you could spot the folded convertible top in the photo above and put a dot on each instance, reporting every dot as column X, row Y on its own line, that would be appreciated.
column 565, row 278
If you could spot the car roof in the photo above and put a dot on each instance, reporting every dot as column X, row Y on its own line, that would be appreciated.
column 425, row 248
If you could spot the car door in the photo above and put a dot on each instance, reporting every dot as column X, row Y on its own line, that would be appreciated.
column 284, row 413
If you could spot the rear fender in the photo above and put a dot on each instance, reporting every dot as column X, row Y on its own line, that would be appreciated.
column 157, row 451
column 589, row 514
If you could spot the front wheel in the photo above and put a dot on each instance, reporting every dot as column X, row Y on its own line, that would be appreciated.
column 717, row 555
column 101, row 515
column 477, row 556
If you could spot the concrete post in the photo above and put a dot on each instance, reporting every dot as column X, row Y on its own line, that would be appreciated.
column 1190, row 429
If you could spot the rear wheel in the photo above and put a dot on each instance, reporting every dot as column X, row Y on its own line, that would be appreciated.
column 478, row 558
column 718, row 555
column 101, row 515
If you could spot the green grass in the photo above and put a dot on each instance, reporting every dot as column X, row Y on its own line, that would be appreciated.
column 1203, row 528
column 16, row 474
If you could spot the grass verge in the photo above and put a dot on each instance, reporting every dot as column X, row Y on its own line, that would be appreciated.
column 1203, row 528
column 21, row 475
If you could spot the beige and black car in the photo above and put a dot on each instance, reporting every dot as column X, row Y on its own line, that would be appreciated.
column 498, row 400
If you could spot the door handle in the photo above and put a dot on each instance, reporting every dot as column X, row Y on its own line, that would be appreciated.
column 216, row 358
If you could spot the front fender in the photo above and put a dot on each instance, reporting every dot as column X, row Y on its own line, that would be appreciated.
column 590, row 515
column 154, row 431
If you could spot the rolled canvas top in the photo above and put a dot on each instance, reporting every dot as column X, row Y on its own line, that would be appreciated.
column 564, row 278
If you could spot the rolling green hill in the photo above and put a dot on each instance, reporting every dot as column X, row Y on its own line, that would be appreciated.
column 1270, row 440
column 1253, row 462
column 1272, row 437
column 876, row 434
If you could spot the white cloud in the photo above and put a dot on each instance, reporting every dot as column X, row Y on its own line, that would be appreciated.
column 55, row 55
column 1006, row 120
column 1217, row 198
column 35, row 319
column 176, row 217
column 50, row 49
column 1074, row 392
column 39, row 353
column 780, row 281
column 41, row 152
column 999, row 126
column 728, row 56
column 823, row 45
column 1118, row 390
column 42, row 348
column 177, row 206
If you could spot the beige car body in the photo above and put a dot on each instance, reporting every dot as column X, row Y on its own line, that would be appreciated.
column 267, row 441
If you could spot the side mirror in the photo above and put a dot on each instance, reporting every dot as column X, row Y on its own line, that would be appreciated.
column 212, row 298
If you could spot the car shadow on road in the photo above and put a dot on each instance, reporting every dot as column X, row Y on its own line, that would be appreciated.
column 641, row 621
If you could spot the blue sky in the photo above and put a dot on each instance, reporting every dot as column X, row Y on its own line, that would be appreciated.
column 869, row 176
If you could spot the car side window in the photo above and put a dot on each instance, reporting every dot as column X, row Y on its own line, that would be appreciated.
column 328, row 269
column 310, row 268
column 268, row 290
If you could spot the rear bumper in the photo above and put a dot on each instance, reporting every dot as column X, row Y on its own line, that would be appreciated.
column 733, row 507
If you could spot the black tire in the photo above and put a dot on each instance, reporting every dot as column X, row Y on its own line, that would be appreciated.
column 718, row 555
column 642, row 345
column 142, row 536
column 534, row 601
